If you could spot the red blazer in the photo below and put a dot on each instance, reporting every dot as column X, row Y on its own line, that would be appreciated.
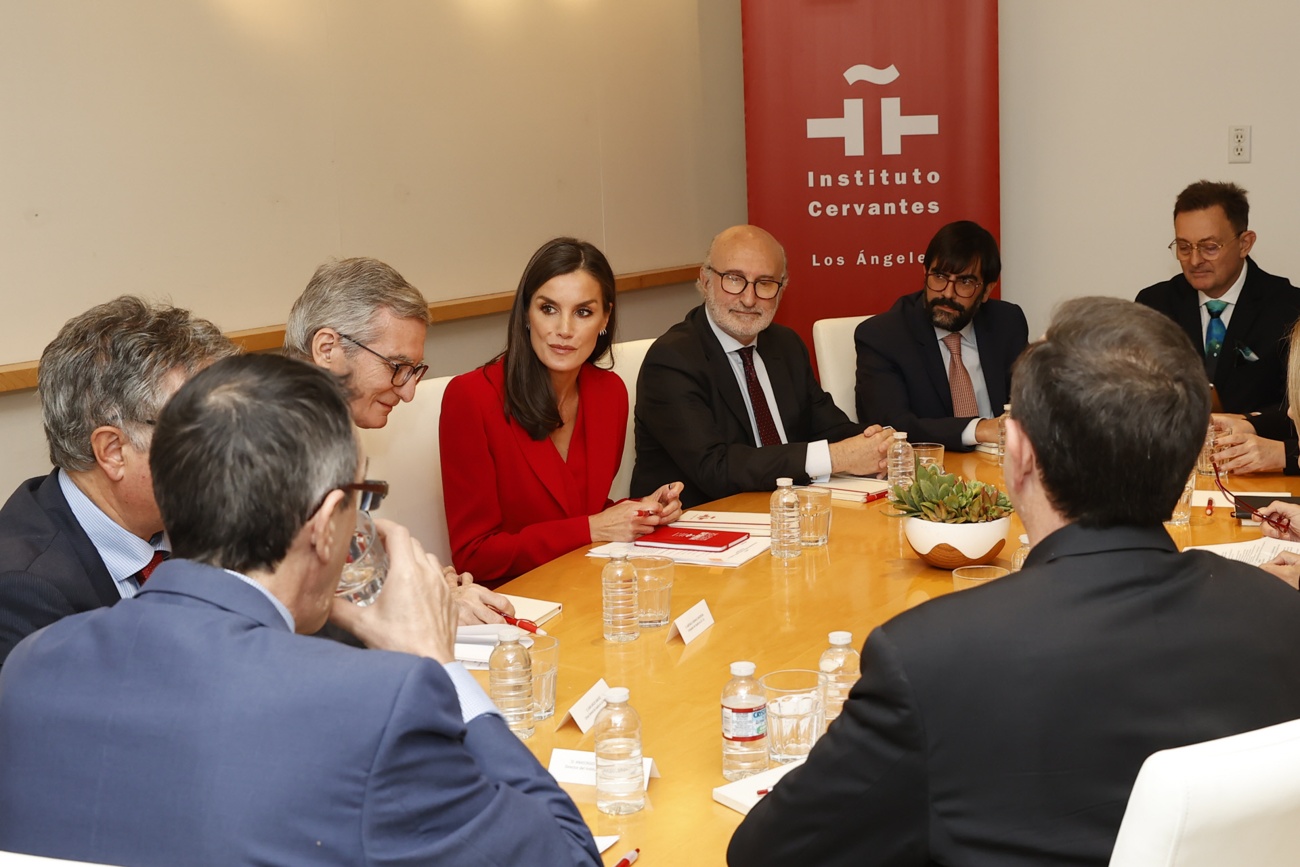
column 512, row 503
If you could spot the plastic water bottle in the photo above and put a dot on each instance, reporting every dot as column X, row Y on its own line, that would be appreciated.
column 744, row 724
column 619, row 592
column 510, row 681
column 1018, row 558
column 838, row 670
column 901, row 461
column 1002, row 433
column 620, row 777
column 785, row 521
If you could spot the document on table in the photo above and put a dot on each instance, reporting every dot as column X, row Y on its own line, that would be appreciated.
column 1255, row 552
column 753, row 523
column 737, row 556
column 743, row 794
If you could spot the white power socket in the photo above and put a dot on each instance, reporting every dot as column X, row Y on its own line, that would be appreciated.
column 1238, row 144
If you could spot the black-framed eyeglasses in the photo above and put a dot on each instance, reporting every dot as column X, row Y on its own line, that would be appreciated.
column 403, row 371
column 736, row 284
column 1207, row 249
column 372, row 493
column 1281, row 524
column 963, row 285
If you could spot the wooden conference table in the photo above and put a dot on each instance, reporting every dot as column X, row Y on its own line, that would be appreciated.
column 774, row 613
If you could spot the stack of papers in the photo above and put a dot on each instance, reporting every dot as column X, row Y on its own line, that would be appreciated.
column 742, row 795
column 753, row 523
column 1255, row 552
column 737, row 556
column 854, row 488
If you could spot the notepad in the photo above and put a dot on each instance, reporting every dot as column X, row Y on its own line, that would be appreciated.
column 732, row 557
column 537, row 610
column 742, row 795
column 692, row 539
column 854, row 488
column 753, row 523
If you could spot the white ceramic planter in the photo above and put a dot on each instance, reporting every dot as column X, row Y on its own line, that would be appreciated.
column 947, row 546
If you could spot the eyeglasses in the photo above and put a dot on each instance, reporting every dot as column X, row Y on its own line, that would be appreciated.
column 372, row 493
column 1207, row 249
column 1281, row 524
column 735, row 284
column 963, row 285
column 403, row 371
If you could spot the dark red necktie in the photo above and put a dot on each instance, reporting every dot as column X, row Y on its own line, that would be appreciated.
column 767, row 435
column 143, row 575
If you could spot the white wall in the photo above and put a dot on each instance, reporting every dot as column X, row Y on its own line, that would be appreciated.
column 1109, row 108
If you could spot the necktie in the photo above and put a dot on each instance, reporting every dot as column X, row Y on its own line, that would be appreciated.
column 767, row 435
column 143, row 575
column 1214, row 334
column 964, row 404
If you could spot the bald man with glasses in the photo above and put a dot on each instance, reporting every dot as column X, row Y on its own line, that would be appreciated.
column 938, row 363
column 727, row 402
column 1239, row 318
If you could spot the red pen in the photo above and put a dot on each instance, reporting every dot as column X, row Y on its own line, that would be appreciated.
column 629, row 859
column 762, row 792
column 1209, row 506
column 526, row 625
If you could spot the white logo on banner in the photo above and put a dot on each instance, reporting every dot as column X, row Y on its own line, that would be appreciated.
column 893, row 123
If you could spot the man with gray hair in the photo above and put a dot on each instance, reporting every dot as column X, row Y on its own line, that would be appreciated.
column 89, row 533
column 229, row 739
column 362, row 321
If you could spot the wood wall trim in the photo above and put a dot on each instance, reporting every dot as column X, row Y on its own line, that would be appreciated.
column 22, row 375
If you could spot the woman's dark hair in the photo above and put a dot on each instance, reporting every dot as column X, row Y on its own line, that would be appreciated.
column 530, row 399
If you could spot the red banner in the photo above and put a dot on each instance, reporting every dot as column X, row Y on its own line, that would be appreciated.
column 869, row 124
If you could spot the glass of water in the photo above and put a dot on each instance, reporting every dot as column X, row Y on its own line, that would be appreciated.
column 367, row 564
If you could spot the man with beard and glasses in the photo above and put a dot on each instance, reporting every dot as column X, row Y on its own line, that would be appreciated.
column 938, row 363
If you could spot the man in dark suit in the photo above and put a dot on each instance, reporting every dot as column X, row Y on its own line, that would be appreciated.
column 727, row 402
column 1006, row 724
column 938, row 363
column 228, row 739
column 83, row 536
column 1239, row 318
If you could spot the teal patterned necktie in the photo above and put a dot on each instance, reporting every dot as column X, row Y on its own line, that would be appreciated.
column 1214, row 334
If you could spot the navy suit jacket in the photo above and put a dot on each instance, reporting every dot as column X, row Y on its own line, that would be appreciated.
column 691, row 423
column 903, row 382
column 49, row 568
column 192, row 727
column 1250, row 373
column 1006, row 724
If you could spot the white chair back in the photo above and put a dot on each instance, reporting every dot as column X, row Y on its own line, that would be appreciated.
column 627, row 364
column 837, row 360
column 1235, row 800
column 405, row 454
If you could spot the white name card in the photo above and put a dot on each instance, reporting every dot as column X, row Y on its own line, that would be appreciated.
column 578, row 767
column 689, row 626
column 584, row 711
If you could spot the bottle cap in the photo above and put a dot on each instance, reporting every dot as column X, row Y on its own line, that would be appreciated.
column 616, row 694
column 742, row 669
column 784, row 482
column 841, row 639
column 509, row 633
column 900, row 434
column 1024, row 540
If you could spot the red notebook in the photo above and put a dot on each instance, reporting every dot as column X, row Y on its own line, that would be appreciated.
column 692, row 539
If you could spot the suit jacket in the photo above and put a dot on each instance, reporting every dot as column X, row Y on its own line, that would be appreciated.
column 50, row 567
column 1250, row 373
column 1006, row 724
column 512, row 503
column 691, row 423
column 903, row 381
column 192, row 727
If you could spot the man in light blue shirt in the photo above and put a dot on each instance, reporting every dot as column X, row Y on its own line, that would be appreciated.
column 88, row 533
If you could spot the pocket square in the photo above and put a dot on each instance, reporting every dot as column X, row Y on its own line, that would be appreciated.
column 1247, row 354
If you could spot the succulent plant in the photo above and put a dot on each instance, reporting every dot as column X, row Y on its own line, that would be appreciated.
column 947, row 499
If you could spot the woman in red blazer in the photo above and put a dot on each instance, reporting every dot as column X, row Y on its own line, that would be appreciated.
column 532, row 440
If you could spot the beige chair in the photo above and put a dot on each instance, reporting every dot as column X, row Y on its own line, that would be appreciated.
column 837, row 360
column 627, row 364
column 405, row 454
column 1231, row 801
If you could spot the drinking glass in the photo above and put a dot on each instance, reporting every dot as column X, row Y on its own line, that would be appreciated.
column 814, row 516
column 367, row 564
column 795, row 713
column 928, row 455
column 966, row 577
column 545, row 654
column 654, row 577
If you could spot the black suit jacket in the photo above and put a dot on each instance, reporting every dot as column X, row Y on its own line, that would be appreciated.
column 1006, row 724
column 1250, row 373
column 49, row 568
column 691, row 424
column 902, row 380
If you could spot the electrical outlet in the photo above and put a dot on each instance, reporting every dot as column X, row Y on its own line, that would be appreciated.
column 1238, row 144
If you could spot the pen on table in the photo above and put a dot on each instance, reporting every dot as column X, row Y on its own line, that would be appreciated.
column 1209, row 506
column 526, row 625
column 629, row 859
column 762, row 792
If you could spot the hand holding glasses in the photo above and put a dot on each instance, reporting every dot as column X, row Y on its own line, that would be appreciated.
column 1280, row 523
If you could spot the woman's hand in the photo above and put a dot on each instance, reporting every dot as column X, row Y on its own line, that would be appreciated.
column 669, row 500
column 625, row 521
column 1285, row 566
column 1289, row 512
